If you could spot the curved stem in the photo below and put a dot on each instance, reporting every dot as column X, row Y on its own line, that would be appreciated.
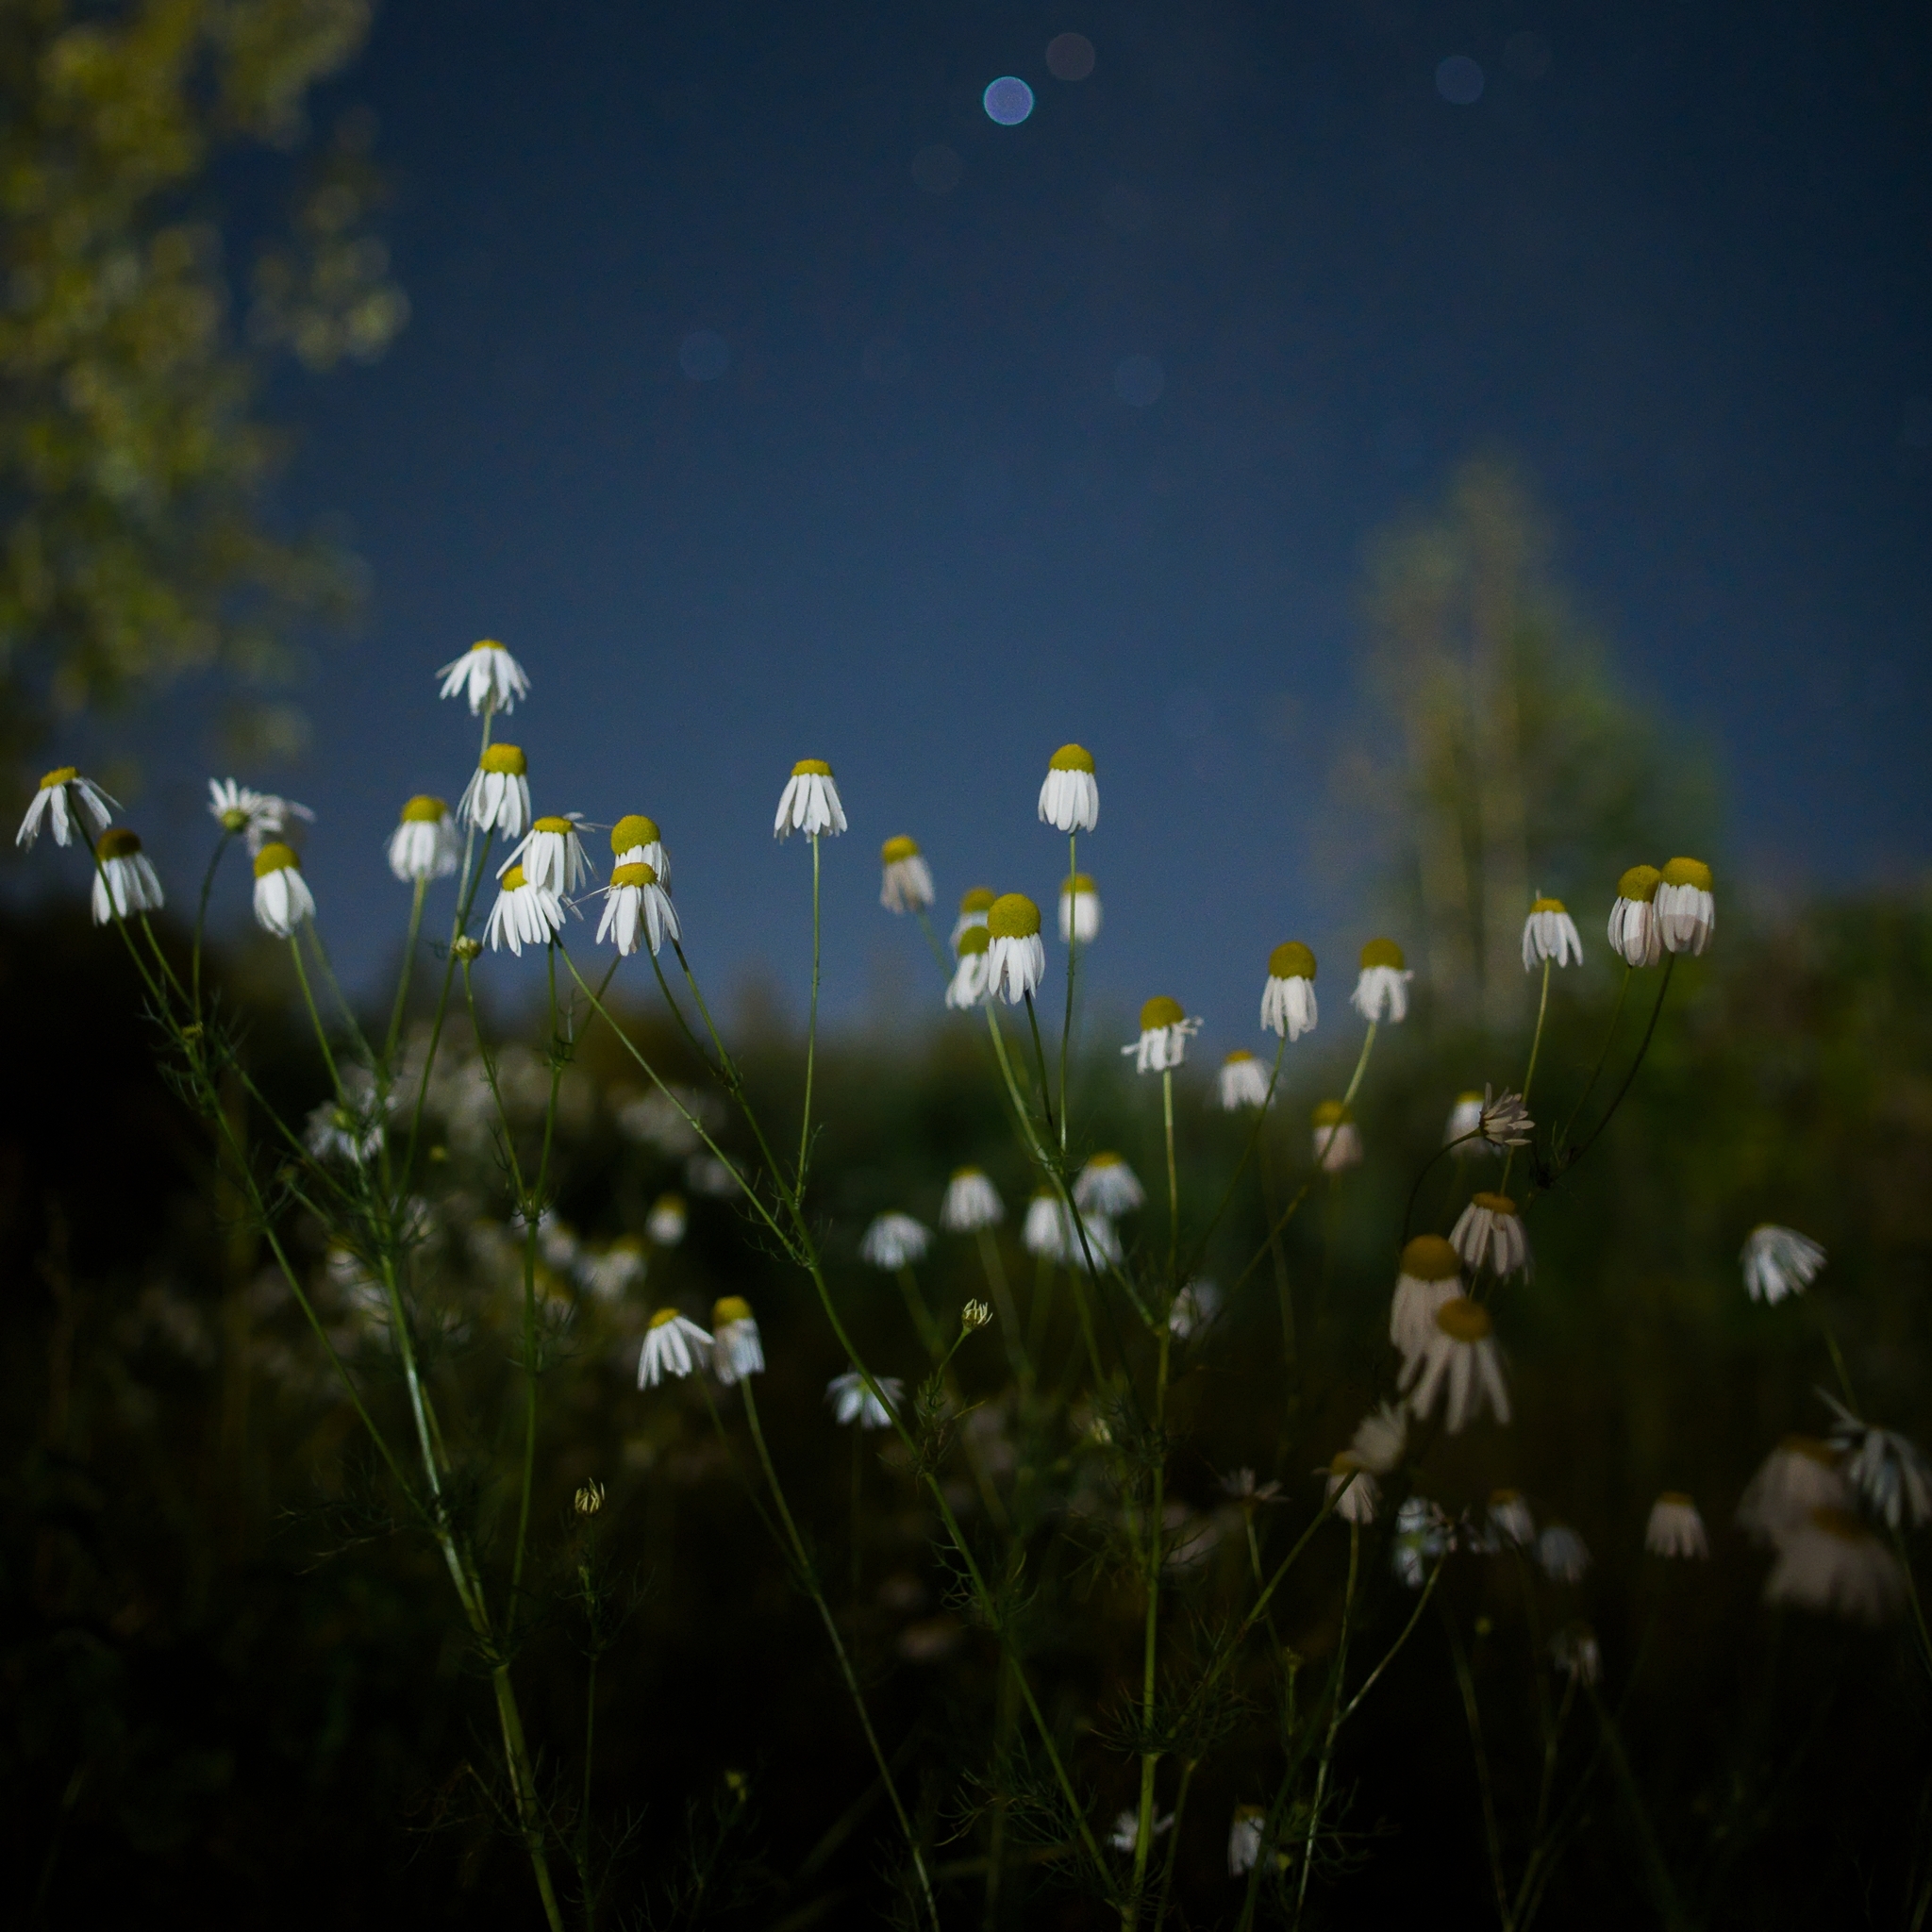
column 1603, row 1054
column 1536, row 1046
column 1643, row 1049
column 1174, row 1185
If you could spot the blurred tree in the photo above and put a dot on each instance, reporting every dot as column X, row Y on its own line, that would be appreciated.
column 133, row 462
column 1524, row 769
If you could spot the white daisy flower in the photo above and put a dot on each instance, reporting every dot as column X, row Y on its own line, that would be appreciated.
column 487, row 675
column 258, row 816
column 636, row 908
column 1801, row 1475
column 497, row 799
column 1562, row 1554
column 1245, row 1839
column 1779, row 1262
column 971, row 1203
column 894, row 1240
column 551, row 855
column 1458, row 1358
column 974, row 906
column 1463, row 1134
column 907, row 883
column 350, row 1128
column 1490, row 1229
column 424, row 844
column 1242, row 1486
column 967, row 987
column 1675, row 1528
column 1126, row 1827
column 1288, row 1000
column 1686, row 912
column 124, row 882
column 1381, row 1439
column 871, row 1408
column 1509, row 1521
column 1040, row 1233
column 620, row 1267
column 1549, row 933
column 672, row 1347
column 1830, row 1561
column 1381, row 989
column 1242, row 1081
column 737, row 1349
column 1635, row 935
column 1422, row 1538
column 1070, row 799
column 1577, row 1653
column 1015, row 957
column 524, row 914
column 1430, row 1274
column 1107, row 1185
column 1194, row 1310
column 65, row 799
column 1079, row 909
column 1885, row 1468
column 1354, row 1493
column 810, row 803
column 282, row 898
column 666, row 1222
column 1505, row 1119
column 636, row 840
column 1338, row 1141
column 1165, row 1030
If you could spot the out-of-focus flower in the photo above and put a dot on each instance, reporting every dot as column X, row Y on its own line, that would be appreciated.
column 637, row 908
column 1088, row 1241
column 497, row 799
column 667, row 1220
column 485, row 674
column 1015, row 957
column 906, row 885
column 672, row 1347
column 1242, row 1081
column 737, row 1349
column 525, row 913
column 894, row 1240
column 1070, row 798
column 619, row 1267
column 1352, row 1489
column 1563, row 1554
column 1079, row 909
column 1506, row 1120
column 853, row 1402
column 1125, row 1835
column 1338, row 1140
column 351, row 1126
column 1463, row 1135
column 258, row 816
column 1422, row 1538
column 1830, row 1561
column 551, row 855
column 967, row 987
column 1885, row 1468
column 1675, row 1528
column 64, row 799
column 1510, row 1518
column 810, row 803
column 1779, row 1262
column 282, row 898
column 1801, row 1475
column 974, row 906
column 970, row 1203
column 1288, row 998
column 590, row 1497
column 1107, row 1185
column 1381, row 1439
column 1549, row 933
column 1490, row 1229
column 1430, row 1274
column 1244, row 1835
column 636, row 840
column 1459, row 1358
column 1242, row 1486
column 1041, row 1234
column 1381, row 989
column 1634, row 934
column 1577, row 1653
column 124, row 880
column 1686, row 911
column 1194, row 1310
column 424, row 844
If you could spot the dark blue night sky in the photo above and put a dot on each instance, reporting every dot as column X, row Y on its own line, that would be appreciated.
column 754, row 439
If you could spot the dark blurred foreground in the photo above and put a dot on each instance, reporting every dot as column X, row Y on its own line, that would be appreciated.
column 229, row 1681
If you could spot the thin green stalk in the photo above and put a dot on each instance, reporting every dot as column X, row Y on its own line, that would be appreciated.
column 1536, row 1046
column 1335, row 1714
column 994, row 1270
column 1155, row 1528
column 1174, row 1185
column 1040, row 1060
column 1603, row 1054
column 1173, row 1842
column 523, row 1783
column 584, row 1813
column 932, row 940
column 1249, row 1151
column 335, row 1079
column 811, row 1032
column 1473, row 1716
column 1284, row 1293
column 207, row 882
column 1073, row 960
column 395, row 1018
column 1668, row 1906
column 1642, row 1050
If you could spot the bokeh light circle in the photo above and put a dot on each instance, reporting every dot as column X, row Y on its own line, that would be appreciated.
column 704, row 355
column 1008, row 100
column 1459, row 80
column 1137, row 380
column 1070, row 56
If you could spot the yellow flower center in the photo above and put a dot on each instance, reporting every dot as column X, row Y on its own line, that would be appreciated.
column 1381, row 952
column 1468, row 1098
column 1503, row 1499
column 729, row 1308
column 812, row 768
column 1291, row 960
column 514, row 880
column 275, row 857
column 1343, row 1463
column 978, row 900
column 118, row 843
column 893, row 850
column 425, row 810
column 1639, row 883
column 1105, row 1160
column 552, row 823
column 662, row 1316
column 1546, row 906
column 485, row 644
column 1070, row 758
column 1812, row 1448
column 1077, row 882
column 1687, row 872
column 1429, row 1257
column 1235, row 1058
column 975, row 938
column 1463, row 1320
column 60, row 774
column 968, row 1173
column 1329, row 1113
column 506, row 760
column 634, row 828
column 1161, row 1011
column 1675, row 1499
column 1496, row 1204
column 1012, row 916
column 639, row 874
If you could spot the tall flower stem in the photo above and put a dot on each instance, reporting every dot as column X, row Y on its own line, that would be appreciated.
column 1073, row 956
column 1045, row 1088
column 1284, row 1293
column 207, row 882
column 1465, row 1683
column 395, row 1018
column 1018, row 1356
column 811, row 1031
column 1603, row 1053
column 1336, row 1714
column 1536, row 1046
column 1174, row 1185
column 335, row 1078
column 1155, row 1526
column 1643, row 1052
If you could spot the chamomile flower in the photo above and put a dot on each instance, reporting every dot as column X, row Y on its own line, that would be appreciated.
column 1463, row 1135
column 737, row 1349
column 1165, row 1030
column 907, row 882
column 1015, row 957
column 1125, row 1835
column 1423, row 1538
column 1041, row 1232
column 894, row 1240
column 621, row 1266
column 524, row 914
column 65, row 799
column 970, row 1203
column 551, row 855
column 1490, row 1230
column 1686, row 912
column 1430, row 1274
column 1636, row 936
column 1288, row 1000
column 1338, row 1141
column 871, row 1408
column 1458, row 1358
column 1505, row 1119
column 1576, row 1653
column 1242, row 1081
column 667, row 1220
column 974, row 906
column 810, row 803
column 1550, row 934
column 1070, row 799
column 424, row 844
column 1194, row 1310
column 1079, row 909
column 282, row 898
column 125, row 881
column 351, row 1126
column 1885, row 1468
column 967, row 987
column 1107, row 1185
column 1830, row 1561
column 1381, row 989
column 636, row 908
column 1381, row 1439
column 1779, row 1262
column 636, row 840
column 672, row 1347
column 1352, row 1489
column 1245, row 1839
column 1509, row 1521
column 497, row 799
column 1675, row 1528
column 1801, row 1475
column 1562, row 1553
column 258, row 816
column 488, row 675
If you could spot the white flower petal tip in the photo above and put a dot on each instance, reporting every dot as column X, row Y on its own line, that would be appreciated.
column 1549, row 934
column 1165, row 1030
column 257, row 816
column 487, row 676
column 550, row 853
column 1488, row 1233
column 524, row 914
column 967, row 987
column 1635, row 936
column 869, row 1408
column 1073, row 1239
column 905, row 879
column 1456, row 1362
column 497, row 799
column 1381, row 989
column 1107, row 1185
column 1562, row 1553
column 810, row 803
column 1686, row 908
column 1675, row 1529
column 636, row 909
column 1888, row 1470
column 1080, row 910
column 1831, row 1563
column 1779, row 1262
column 738, row 1350
column 1070, row 798
column 674, row 1346
column 1338, row 1142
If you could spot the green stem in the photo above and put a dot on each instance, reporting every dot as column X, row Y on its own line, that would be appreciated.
column 1472, row 1714
column 1150, row 1760
column 1072, row 959
column 1174, row 1185
column 335, row 1079
column 1603, row 1054
column 1173, row 1842
column 811, row 1032
column 1335, row 1716
column 995, row 1273
column 395, row 1018
column 207, row 882
column 1536, row 1046
column 1040, row 1060
column 1643, row 1049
